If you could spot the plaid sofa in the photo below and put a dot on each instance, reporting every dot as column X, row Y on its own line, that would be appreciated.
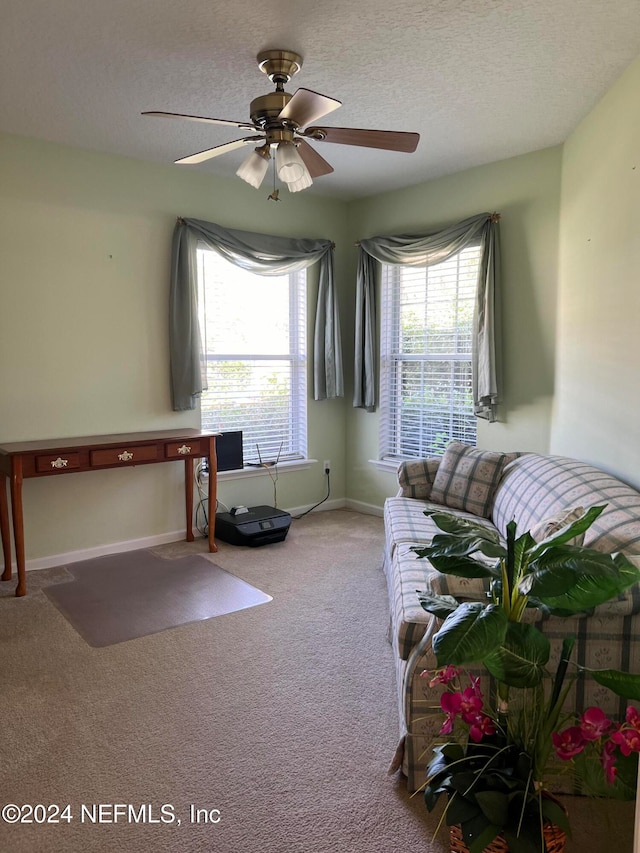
column 531, row 489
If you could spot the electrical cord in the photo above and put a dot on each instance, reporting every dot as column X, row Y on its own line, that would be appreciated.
column 326, row 497
column 203, row 499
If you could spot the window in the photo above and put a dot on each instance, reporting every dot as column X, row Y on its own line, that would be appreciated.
column 254, row 333
column 425, row 359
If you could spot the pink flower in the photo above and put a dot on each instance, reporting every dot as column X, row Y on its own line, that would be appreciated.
column 441, row 676
column 568, row 742
column 608, row 761
column 627, row 739
column 633, row 717
column 470, row 704
column 475, row 684
column 481, row 726
column 594, row 723
column 450, row 704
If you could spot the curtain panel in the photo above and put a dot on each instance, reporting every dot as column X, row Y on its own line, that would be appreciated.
column 261, row 254
column 426, row 250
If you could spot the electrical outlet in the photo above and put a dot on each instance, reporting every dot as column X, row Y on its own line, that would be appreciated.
column 327, row 466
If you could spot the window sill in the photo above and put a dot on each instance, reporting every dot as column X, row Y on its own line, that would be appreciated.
column 384, row 465
column 283, row 467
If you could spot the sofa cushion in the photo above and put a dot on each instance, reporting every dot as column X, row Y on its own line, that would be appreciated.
column 413, row 575
column 416, row 477
column 467, row 478
column 406, row 525
column 535, row 487
column 405, row 521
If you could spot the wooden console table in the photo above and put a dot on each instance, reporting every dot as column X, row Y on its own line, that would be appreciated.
column 22, row 460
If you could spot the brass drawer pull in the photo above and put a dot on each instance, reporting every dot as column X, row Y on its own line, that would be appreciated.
column 125, row 456
column 59, row 463
column 184, row 450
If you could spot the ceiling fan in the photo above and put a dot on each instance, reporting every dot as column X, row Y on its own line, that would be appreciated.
column 284, row 122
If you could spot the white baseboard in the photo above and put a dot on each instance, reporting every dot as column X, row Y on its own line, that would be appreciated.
column 176, row 536
column 364, row 508
column 343, row 503
column 338, row 503
column 100, row 551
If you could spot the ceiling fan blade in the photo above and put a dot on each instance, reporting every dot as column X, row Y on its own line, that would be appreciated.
column 307, row 106
column 243, row 124
column 316, row 164
column 210, row 153
column 389, row 140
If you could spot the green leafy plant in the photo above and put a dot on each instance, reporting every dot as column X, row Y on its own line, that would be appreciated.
column 493, row 769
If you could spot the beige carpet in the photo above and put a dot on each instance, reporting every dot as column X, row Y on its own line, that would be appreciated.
column 281, row 717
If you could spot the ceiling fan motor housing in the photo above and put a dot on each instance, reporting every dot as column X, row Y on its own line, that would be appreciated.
column 267, row 108
column 279, row 65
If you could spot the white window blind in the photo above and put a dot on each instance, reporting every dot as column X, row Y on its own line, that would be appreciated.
column 426, row 340
column 254, row 332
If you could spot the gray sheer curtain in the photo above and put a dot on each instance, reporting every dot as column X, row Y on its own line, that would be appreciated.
column 261, row 254
column 425, row 250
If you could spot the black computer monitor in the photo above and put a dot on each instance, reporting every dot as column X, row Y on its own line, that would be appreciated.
column 229, row 451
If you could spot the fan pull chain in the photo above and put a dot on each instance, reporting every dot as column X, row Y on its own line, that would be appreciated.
column 273, row 196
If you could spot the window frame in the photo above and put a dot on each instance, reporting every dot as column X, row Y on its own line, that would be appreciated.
column 295, row 452
column 391, row 446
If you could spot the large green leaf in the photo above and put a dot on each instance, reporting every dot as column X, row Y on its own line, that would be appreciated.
column 595, row 578
column 528, row 840
column 450, row 545
column 478, row 833
column 554, row 812
column 440, row 605
column 624, row 684
column 520, row 660
column 518, row 554
column 494, row 805
column 469, row 634
column 451, row 523
column 452, row 751
column 565, row 534
column 461, row 809
column 462, row 567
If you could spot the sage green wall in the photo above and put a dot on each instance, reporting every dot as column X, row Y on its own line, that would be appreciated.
column 85, row 241
column 525, row 190
column 597, row 409
column 85, row 247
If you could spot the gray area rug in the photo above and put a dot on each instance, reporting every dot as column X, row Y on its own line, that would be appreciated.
column 123, row 596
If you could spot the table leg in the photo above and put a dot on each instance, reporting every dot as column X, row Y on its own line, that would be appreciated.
column 4, row 529
column 213, row 493
column 188, row 495
column 18, row 522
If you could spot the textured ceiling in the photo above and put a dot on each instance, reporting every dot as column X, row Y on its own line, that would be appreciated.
column 480, row 80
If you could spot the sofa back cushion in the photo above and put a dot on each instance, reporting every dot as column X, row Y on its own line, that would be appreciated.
column 535, row 487
column 467, row 478
column 416, row 476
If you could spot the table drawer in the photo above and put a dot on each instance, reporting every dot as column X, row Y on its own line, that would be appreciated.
column 122, row 455
column 57, row 462
column 181, row 449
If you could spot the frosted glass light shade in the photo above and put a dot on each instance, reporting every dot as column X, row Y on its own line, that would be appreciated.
column 254, row 168
column 302, row 184
column 289, row 164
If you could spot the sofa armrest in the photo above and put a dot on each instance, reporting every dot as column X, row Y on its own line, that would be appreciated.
column 416, row 476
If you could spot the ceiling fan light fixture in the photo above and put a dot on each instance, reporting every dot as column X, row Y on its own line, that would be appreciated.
column 254, row 168
column 285, row 122
column 302, row 184
column 289, row 164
